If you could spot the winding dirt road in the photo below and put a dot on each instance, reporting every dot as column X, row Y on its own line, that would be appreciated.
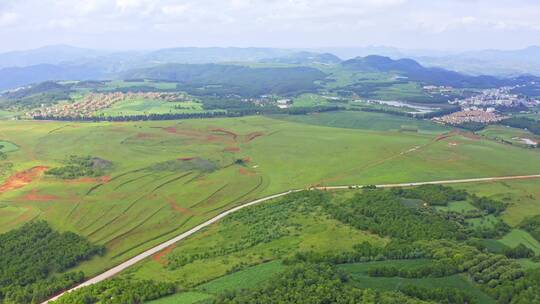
column 148, row 253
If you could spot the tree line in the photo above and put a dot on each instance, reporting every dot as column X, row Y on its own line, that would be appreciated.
column 30, row 257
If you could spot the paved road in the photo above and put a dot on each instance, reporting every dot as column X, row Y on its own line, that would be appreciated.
column 117, row 269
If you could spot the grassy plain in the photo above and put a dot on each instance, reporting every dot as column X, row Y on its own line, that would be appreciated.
column 521, row 195
column 362, row 280
column 148, row 106
column 168, row 176
column 518, row 236
column 509, row 134
column 368, row 121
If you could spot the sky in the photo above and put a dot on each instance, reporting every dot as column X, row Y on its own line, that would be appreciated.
column 154, row 24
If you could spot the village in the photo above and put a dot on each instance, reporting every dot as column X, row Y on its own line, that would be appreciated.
column 94, row 102
column 473, row 114
column 499, row 97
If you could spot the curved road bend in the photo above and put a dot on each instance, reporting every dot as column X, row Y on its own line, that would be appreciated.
column 117, row 269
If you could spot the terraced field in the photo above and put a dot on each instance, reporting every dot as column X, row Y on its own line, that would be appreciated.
column 168, row 176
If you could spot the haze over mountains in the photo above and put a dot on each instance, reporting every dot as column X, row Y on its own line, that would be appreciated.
column 63, row 62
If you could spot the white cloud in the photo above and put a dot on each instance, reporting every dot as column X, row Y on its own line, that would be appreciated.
column 8, row 18
column 132, row 23
column 175, row 9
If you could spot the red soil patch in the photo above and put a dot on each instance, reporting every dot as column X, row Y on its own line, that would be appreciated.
column 180, row 209
column 186, row 158
column 21, row 179
column 158, row 257
column 232, row 149
column 252, row 136
column 226, row 132
column 35, row 196
column 468, row 135
column 246, row 172
column 89, row 180
column 145, row 135
column 170, row 130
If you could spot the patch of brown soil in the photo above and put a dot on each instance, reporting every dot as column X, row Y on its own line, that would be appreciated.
column 158, row 257
column 253, row 135
column 145, row 135
column 232, row 149
column 175, row 207
column 35, row 196
column 247, row 159
column 246, row 172
column 89, row 180
column 172, row 130
column 468, row 135
column 186, row 158
column 226, row 132
column 21, row 179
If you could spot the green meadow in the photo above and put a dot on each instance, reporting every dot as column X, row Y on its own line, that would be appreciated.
column 168, row 176
column 150, row 106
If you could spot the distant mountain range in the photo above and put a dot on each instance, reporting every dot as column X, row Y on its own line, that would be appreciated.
column 65, row 62
column 483, row 62
column 413, row 71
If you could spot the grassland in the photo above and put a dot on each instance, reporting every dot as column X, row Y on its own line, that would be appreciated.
column 508, row 134
column 522, row 197
column 368, row 121
column 518, row 236
column 161, row 182
column 120, row 84
column 310, row 100
column 147, row 106
column 409, row 90
column 361, row 278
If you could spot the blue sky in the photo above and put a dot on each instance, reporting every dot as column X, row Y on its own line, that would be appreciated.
column 152, row 24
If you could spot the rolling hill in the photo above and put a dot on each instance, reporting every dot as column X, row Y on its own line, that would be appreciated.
column 413, row 71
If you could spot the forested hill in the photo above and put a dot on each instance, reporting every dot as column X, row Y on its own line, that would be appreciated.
column 416, row 72
column 240, row 80
column 305, row 58
column 20, row 76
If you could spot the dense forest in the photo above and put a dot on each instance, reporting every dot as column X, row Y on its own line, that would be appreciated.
column 119, row 291
column 31, row 256
column 218, row 79
column 313, row 283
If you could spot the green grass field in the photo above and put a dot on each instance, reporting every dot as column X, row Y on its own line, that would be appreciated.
column 409, row 90
column 512, row 135
column 168, row 176
column 362, row 280
column 251, row 277
column 461, row 207
column 368, row 121
column 120, row 84
column 7, row 146
column 189, row 297
column 310, row 100
column 521, row 195
column 518, row 236
column 148, row 106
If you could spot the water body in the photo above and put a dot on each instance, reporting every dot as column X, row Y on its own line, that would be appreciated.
column 400, row 104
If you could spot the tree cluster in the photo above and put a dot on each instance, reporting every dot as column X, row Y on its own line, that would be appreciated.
column 436, row 195
column 32, row 254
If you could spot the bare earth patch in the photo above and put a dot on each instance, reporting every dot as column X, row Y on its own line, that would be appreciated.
column 21, row 179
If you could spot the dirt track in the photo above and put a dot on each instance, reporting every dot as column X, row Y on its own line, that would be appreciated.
column 150, row 252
